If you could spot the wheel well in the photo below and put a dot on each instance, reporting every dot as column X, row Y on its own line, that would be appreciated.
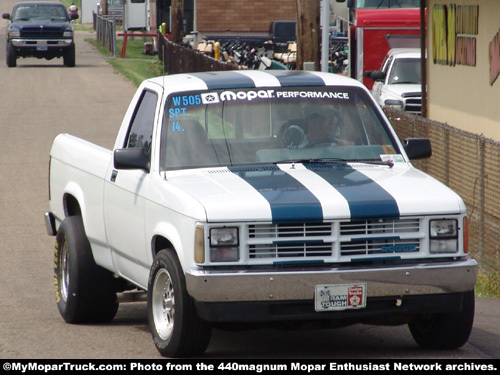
column 160, row 243
column 71, row 206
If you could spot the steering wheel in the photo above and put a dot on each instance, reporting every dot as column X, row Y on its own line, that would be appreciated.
column 333, row 141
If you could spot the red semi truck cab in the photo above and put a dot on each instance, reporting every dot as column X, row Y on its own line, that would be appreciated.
column 376, row 27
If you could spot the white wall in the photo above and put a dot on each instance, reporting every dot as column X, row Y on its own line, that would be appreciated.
column 461, row 95
column 88, row 6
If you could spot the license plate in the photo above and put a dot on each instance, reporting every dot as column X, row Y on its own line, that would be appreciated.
column 42, row 48
column 339, row 297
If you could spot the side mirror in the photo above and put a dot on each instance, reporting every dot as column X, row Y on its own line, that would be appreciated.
column 376, row 75
column 131, row 158
column 418, row 148
column 6, row 16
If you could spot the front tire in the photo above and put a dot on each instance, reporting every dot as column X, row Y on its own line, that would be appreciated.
column 445, row 331
column 11, row 57
column 175, row 326
column 69, row 58
column 84, row 291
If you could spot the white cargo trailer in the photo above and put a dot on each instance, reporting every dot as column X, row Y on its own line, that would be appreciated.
column 136, row 15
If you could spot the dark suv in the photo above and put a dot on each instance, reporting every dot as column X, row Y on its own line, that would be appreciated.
column 40, row 29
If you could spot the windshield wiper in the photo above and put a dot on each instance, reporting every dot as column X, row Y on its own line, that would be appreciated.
column 335, row 160
column 390, row 164
column 312, row 160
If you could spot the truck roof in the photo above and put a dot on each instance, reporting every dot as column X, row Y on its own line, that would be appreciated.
column 407, row 52
column 250, row 79
column 22, row 3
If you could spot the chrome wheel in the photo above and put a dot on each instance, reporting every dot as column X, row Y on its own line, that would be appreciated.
column 64, row 272
column 175, row 326
column 163, row 304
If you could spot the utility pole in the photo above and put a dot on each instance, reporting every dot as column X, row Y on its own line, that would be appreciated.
column 104, row 7
column 308, row 33
column 176, row 28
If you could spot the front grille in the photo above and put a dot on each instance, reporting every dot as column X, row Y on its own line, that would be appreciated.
column 382, row 246
column 42, row 32
column 290, row 230
column 334, row 241
column 413, row 102
column 379, row 237
column 290, row 240
column 374, row 227
column 290, row 250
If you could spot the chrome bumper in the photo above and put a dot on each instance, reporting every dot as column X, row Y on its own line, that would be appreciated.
column 287, row 285
column 41, row 42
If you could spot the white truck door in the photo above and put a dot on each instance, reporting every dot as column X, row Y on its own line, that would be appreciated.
column 125, row 198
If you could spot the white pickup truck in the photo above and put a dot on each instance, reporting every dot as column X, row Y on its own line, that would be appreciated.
column 398, row 83
column 251, row 197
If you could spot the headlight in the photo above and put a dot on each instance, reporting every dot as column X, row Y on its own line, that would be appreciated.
column 14, row 33
column 393, row 103
column 443, row 236
column 68, row 33
column 224, row 245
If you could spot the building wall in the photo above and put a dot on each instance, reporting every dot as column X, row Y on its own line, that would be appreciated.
column 242, row 15
column 464, row 94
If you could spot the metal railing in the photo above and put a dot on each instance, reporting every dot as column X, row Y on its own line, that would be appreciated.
column 105, row 28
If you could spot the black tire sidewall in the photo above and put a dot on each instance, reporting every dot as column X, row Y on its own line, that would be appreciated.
column 11, row 57
column 445, row 331
column 69, row 234
column 69, row 57
column 91, row 295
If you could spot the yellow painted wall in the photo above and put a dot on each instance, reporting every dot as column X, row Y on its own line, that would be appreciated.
column 459, row 95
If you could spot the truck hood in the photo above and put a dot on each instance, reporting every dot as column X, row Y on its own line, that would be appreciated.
column 40, row 27
column 315, row 192
column 398, row 90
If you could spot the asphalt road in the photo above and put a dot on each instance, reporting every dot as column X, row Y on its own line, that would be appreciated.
column 40, row 99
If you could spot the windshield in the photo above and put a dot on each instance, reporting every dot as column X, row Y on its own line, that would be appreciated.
column 384, row 4
column 405, row 71
column 250, row 126
column 25, row 12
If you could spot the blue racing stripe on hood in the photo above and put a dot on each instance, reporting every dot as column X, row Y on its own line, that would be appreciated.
column 227, row 80
column 289, row 78
column 365, row 197
column 290, row 201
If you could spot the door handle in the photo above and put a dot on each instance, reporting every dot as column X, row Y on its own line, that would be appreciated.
column 113, row 175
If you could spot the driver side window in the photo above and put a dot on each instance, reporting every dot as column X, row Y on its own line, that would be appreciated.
column 141, row 128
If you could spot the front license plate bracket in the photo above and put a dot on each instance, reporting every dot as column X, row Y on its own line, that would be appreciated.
column 339, row 297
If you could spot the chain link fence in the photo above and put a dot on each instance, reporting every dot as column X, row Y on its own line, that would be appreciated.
column 470, row 165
